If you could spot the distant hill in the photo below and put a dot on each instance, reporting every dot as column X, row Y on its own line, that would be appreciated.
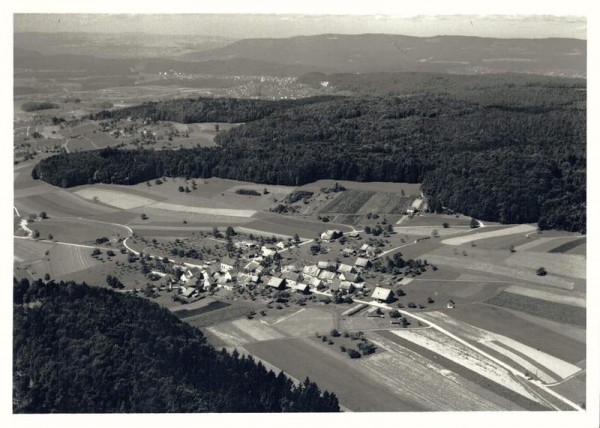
column 117, row 45
column 25, row 59
column 367, row 53
column 82, row 349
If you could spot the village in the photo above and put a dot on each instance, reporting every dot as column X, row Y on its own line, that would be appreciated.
column 261, row 273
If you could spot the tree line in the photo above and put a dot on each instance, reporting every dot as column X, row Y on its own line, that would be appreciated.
column 82, row 349
column 491, row 162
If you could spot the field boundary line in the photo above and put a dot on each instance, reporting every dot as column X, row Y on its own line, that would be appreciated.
column 289, row 316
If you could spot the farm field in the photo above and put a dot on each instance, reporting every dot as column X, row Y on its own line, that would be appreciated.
column 541, row 308
column 59, row 204
column 549, row 295
column 497, row 320
column 78, row 231
column 480, row 264
column 334, row 371
column 27, row 250
column 474, row 375
column 568, row 265
column 520, row 229
column 555, row 367
column 67, row 259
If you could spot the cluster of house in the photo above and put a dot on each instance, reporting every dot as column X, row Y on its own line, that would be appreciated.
column 325, row 276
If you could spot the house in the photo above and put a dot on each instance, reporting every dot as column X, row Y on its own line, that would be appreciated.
column 343, row 268
column 367, row 250
column 349, row 252
column 331, row 235
column 382, row 294
column 347, row 286
column 188, row 292
column 291, row 276
column 226, row 264
column 325, row 275
column 280, row 245
column 314, row 283
column 327, row 265
column 450, row 304
column 252, row 266
column 208, row 284
column 301, row 288
column 290, row 268
column 267, row 252
column 348, row 276
column 246, row 279
column 362, row 262
column 249, row 244
column 311, row 270
column 277, row 283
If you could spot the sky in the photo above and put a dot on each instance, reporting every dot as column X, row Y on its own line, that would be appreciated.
column 238, row 26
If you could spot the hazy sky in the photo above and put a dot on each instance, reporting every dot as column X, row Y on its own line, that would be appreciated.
column 250, row 26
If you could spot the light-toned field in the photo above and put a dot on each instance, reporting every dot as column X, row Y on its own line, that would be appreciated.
column 122, row 200
column 66, row 259
column 542, row 359
column 202, row 210
column 520, row 229
column 467, row 389
column 305, row 322
column 549, row 295
column 569, row 265
column 242, row 332
column 460, row 354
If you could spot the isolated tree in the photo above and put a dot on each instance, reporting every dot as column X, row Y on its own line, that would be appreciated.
column 180, row 188
column 47, row 277
column 474, row 223
column 144, row 216
column 230, row 232
column 43, row 215
column 296, row 238
column 96, row 252
column 36, row 234
column 50, row 237
column 445, row 225
column 541, row 271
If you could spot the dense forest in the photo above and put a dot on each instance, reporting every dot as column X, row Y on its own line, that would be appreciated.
column 82, row 349
column 496, row 161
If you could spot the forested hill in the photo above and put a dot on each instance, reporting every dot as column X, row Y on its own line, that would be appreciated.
column 82, row 349
column 495, row 161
